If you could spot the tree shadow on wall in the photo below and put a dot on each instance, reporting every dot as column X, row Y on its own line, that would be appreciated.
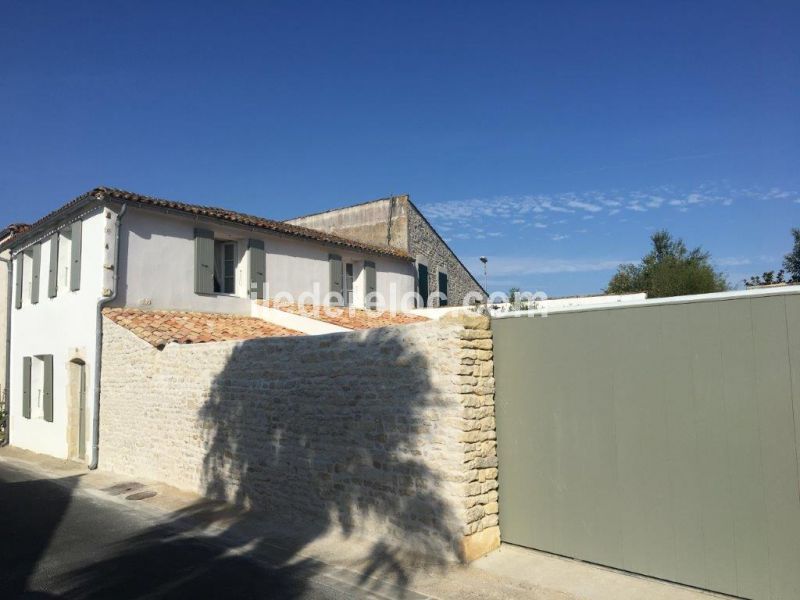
column 318, row 434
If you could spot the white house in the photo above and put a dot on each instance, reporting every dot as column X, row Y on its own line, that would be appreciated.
column 117, row 249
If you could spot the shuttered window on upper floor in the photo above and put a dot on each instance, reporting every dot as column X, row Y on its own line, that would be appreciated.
column 52, row 267
column 257, row 276
column 36, row 254
column 370, row 284
column 76, row 243
column 336, row 276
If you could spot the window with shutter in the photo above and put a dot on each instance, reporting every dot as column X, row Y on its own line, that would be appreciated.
column 225, row 259
column 18, row 291
column 76, row 241
column 203, row 261
column 258, row 268
column 47, row 387
column 52, row 275
column 423, row 283
column 37, row 265
column 26, row 387
column 371, row 286
column 336, row 277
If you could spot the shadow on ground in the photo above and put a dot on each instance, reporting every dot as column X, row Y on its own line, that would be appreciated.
column 331, row 443
column 30, row 513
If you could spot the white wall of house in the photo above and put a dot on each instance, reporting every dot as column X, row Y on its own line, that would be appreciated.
column 64, row 327
column 158, row 253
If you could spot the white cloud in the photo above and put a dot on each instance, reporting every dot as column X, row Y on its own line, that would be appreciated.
column 513, row 265
column 558, row 237
column 540, row 225
column 515, row 211
column 732, row 261
column 584, row 206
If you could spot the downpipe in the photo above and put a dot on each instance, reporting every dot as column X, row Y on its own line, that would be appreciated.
column 98, row 349
column 7, row 391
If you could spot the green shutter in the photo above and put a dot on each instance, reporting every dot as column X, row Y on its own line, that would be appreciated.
column 443, row 289
column 52, row 281
column 258, row 267
column 37, row 265
column 47, row 392
column 335, row 265
column 18, row 299
column 423, row 283
column 26, row 387
column 76, row 235
column 203, row 261
column 371, row 286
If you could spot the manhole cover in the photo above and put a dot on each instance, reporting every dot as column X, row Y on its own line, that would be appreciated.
column 124, row 488
column 141, row 495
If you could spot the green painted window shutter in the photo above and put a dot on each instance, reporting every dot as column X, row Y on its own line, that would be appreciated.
column 37, row 265
column 47, row 392
column 52, row 276
column 18, row 299
column 423, row 283
column 26, row 387
column 203, row 261
column 336, row 275
column 258, row 268
column 76, row 235
column 443, row 289
column 371, row 286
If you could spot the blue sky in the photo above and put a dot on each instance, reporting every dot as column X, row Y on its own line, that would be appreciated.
column 552, row 137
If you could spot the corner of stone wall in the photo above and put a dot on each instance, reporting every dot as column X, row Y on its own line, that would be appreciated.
column 475, row 387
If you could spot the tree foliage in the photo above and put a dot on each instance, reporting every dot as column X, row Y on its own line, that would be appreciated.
column 669, row 269
column 791, row 265
column 791, row 262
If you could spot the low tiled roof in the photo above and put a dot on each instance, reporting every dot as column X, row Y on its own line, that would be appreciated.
column 225, row 215
column 351, row 318
column 160, row 327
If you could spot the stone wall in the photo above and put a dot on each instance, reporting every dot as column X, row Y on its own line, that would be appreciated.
column 380, row 222
column 397, row 222
column 425, row 245
column 388, row 433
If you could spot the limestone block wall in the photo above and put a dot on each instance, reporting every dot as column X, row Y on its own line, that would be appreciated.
column 389, row 433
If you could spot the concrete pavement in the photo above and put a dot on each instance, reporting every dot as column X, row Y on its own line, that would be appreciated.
column 69, row 533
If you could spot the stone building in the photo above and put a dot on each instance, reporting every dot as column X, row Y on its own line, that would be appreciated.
column 397, row 223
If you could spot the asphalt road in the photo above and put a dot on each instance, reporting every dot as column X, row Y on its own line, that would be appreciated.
column 57, row 541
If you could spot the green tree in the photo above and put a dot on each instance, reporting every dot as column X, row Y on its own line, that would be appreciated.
column 791, row 262
column 669, row 269
column 766, row 278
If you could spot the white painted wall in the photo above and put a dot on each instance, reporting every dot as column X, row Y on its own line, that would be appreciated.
column 157, row 265
column 63, row 326
column 306, row 325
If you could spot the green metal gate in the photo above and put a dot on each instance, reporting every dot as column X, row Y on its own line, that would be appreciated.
column 660, row 439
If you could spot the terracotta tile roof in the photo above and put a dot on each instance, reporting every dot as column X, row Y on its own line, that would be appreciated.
column 224, row 215
column 351, row 318
column 160, row 327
